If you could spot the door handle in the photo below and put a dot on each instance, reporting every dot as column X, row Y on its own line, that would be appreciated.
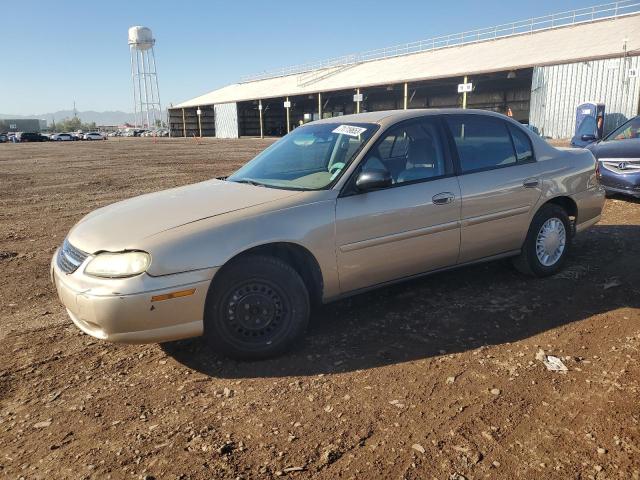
column 443, row 198
column 531, row 183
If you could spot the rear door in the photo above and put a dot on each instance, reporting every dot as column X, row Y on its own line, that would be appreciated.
column 410, row 227
column 499, row 181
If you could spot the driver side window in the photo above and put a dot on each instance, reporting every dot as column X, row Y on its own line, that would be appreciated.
column 410, row 152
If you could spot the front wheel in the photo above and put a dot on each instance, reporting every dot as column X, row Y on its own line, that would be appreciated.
column 257, row 307
column 547, row 243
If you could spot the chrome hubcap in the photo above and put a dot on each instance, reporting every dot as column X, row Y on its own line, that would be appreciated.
column 550, row 242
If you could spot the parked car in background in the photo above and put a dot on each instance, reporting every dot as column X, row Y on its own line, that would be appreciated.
column 94, row 136
column 4, row 138
column 336, row 207
column 24, row 137
column 619, row 159
column 62, row 137
column 158, row 132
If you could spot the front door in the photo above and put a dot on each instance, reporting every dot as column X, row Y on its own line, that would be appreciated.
column 405, row 229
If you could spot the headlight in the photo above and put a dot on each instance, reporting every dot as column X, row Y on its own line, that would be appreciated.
column 118, row 265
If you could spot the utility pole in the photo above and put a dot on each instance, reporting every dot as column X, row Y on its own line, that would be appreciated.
column 406, row 95
column 260, row 113
column 464, row 94
column 288, row 107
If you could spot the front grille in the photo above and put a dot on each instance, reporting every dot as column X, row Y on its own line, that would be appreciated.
column 70, row 258
column 622, row 166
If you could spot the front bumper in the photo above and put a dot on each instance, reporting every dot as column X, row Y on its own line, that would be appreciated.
column 121, row 310
column 625, row 183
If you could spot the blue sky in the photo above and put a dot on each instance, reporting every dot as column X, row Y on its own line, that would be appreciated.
column 67, row 50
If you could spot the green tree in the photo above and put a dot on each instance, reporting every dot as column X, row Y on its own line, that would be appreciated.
column 74, row 124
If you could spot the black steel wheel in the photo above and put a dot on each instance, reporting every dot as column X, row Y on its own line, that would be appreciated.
column 257, row 308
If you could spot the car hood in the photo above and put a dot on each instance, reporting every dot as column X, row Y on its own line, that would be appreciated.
column 125, row 224
column 617, row 149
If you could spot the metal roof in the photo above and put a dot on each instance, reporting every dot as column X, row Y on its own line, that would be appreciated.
column 393, row 116
column 552, row 46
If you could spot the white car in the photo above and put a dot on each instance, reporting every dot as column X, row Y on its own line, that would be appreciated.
column 94, row 136
column 62, row 137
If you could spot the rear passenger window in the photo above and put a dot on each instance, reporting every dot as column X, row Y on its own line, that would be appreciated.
column 522, row 142
column 483, row 142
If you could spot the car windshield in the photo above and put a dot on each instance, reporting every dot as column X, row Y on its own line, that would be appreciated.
column 628, row 130
column 311, row 157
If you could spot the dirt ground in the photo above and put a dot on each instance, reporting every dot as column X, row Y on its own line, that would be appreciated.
column 435, row 378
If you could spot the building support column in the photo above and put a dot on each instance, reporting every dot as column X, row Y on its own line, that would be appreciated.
column 288, row 104
column 406, row 95
column 261, row 122
column 464, row 94
column 358, row 102
column 199, row 113
column 184, row 125
column 319, row 106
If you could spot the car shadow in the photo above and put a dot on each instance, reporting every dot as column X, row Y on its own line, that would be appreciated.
column 455, row 311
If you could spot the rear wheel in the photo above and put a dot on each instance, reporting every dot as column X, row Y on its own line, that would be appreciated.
column 257, row 307
column 547, row 243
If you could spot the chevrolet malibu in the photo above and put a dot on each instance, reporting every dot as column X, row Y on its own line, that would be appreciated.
column 337, row 207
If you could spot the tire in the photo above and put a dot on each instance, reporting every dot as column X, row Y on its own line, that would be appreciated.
column 276, row 302
column 531, row 261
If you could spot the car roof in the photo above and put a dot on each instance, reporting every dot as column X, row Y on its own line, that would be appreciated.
column 389, row 117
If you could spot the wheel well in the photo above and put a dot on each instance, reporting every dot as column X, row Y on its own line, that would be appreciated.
column 301, row 259
column 569, row 206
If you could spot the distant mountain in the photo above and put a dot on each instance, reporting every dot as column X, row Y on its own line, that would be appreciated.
column 101, row 118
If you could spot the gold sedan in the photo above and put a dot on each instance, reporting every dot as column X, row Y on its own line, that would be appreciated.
column 336, row 207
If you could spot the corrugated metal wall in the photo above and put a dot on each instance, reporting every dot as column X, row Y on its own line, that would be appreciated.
column 557, row 90
column 226, row 118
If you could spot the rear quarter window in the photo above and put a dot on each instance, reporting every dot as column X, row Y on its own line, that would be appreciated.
column 522, row 143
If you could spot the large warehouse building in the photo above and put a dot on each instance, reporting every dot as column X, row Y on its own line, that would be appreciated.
column 21, row 125
column 538, row 71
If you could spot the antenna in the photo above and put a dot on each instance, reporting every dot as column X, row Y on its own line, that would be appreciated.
column 75, row 111
column 144, row 78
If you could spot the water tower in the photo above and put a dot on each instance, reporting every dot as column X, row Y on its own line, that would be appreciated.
column 146, row 95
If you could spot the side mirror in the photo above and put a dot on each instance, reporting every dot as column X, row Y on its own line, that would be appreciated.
column 588, row 137
column 373, row 179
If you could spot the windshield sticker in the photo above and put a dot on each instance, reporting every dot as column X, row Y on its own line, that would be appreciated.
column 350, row 130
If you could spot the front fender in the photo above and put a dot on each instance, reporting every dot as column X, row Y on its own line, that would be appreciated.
column 213, row 242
